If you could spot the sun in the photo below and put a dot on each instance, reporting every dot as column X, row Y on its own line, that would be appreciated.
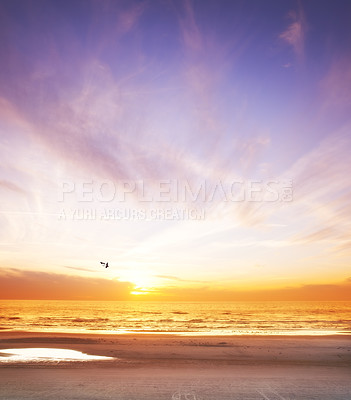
column 142, row 280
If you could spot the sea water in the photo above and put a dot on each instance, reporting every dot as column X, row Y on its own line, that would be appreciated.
column 190, row 318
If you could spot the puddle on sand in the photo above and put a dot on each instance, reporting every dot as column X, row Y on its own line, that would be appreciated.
column 46, row 355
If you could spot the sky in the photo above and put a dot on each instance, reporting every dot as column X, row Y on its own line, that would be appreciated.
column 202, row 148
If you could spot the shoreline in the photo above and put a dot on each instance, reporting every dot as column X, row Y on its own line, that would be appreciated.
column 8, row 334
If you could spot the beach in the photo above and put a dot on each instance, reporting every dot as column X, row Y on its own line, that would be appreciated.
column 175, row 218
column 180, row 367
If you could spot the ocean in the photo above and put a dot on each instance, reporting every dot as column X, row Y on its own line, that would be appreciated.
column 184, row 318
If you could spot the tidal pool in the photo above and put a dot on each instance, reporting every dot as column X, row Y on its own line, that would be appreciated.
column 37, row 354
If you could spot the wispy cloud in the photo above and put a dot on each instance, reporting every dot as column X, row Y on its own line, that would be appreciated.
column 80, row 269
column 128, row 18
column 336, row 86
column 189, row 28
column 96, row 129
column 170, row 277
column 322, row 191
column 11, row 186
column 175, row 278
column 295, row 33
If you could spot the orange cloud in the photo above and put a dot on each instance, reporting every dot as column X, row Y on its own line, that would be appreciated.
column 35, row 285
column 312, row 292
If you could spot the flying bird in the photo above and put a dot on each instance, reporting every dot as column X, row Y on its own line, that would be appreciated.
column 105, row 264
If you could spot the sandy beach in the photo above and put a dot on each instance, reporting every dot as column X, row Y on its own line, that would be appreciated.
column 180, row 367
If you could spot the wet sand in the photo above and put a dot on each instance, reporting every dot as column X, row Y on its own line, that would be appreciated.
column 179, row 367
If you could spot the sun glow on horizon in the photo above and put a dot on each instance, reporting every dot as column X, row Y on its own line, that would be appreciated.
column 143, row 281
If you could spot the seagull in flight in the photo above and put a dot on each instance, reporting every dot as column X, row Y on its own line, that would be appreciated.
column 105, row 264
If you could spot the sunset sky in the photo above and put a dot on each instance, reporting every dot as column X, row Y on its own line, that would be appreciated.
column 97, row 96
